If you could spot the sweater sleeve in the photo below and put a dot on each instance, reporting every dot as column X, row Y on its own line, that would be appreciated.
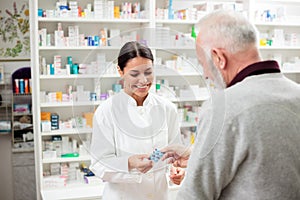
column 104, row 160
column 218, row 151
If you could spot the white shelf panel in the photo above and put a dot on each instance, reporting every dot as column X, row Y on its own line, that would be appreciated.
column 175, row 48
column 63, row 160
column 279, row 47
column 188, row 124
column 74, row 191
column 70, row 104
column 51, row 48
column 79, row 48
column 71, row 76
column 110, row 76
column 170, row 72
column 72, row 131
column 287, row 23
column 291, row 71
column 279, row 1
column 202, row 98
column 167, row 21
column 92, row 20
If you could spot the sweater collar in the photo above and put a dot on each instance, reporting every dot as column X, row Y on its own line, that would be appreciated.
column 258, row 68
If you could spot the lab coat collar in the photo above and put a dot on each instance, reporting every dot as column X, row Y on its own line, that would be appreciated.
column 138, row 121
column 132, row 101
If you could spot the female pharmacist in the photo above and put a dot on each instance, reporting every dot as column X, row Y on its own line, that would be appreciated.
column 128, row 127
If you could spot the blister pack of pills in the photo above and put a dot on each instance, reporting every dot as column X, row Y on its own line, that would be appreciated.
column 156, row 155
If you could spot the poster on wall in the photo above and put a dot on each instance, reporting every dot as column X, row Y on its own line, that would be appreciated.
column 14, row 30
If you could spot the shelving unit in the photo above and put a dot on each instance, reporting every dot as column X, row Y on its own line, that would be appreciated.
column 22, row 120
column 278, row 22
column 5, row 102
column 167, row 52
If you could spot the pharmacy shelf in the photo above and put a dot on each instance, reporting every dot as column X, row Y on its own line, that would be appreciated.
column 284, row 23
column 164, row 71
column 71, row 76
column 280, row 1
column 64, row 160
column 5, row 132
column 167, row 21
column 20, row 114
column 188, row 124
column 159, row 74
column 291, row 71
column 22, row 150
column 70, row 104
column 73, row 131
column 279, row 47
column 74, row 191
column 174, row 48
column 110, row 76
column 93, row 20
column 178, row 74
column 21, row 95
column 84, row 48
column 188, row 99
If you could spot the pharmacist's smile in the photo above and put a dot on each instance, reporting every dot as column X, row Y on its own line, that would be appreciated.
column 142, row 87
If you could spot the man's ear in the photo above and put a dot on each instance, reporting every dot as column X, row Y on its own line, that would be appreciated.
column 121, row 73
column 218, row 58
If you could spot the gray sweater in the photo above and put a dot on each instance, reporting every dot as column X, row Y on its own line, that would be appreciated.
column 248, row 143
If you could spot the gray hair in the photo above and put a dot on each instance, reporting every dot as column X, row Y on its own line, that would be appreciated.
column 227, row 29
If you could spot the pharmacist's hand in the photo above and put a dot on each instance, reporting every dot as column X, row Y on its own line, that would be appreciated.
column 177, row 175
column 140, row 162
column 176, row 154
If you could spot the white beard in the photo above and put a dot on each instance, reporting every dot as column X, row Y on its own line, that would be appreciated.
column 216, row 82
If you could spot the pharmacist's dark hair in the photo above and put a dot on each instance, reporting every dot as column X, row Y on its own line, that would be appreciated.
column 131, row 50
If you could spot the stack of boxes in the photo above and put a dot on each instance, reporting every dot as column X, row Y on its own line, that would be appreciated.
column 58, row 36
column 103, row 9
column 73, row 9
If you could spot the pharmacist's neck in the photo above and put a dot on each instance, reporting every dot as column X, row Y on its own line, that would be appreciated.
column 139, row 100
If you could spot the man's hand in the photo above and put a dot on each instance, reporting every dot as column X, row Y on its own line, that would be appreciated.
column 177, row 175
column 176, row 154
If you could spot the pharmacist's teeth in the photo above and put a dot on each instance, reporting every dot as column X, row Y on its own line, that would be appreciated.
column 141, row 86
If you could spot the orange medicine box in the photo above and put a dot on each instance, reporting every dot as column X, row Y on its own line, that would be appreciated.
column 59, row 96
column 45, row 116
column 89, row 119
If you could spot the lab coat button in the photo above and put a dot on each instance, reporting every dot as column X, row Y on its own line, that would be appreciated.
column 149, row 196
column 149, row 175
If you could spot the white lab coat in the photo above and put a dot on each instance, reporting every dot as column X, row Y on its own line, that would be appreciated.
column 120, row 129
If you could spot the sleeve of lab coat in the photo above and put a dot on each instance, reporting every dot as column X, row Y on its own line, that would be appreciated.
column 104, row 161
column 173, row 125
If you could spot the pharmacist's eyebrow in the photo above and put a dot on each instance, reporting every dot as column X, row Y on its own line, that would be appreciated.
column 136, row 71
